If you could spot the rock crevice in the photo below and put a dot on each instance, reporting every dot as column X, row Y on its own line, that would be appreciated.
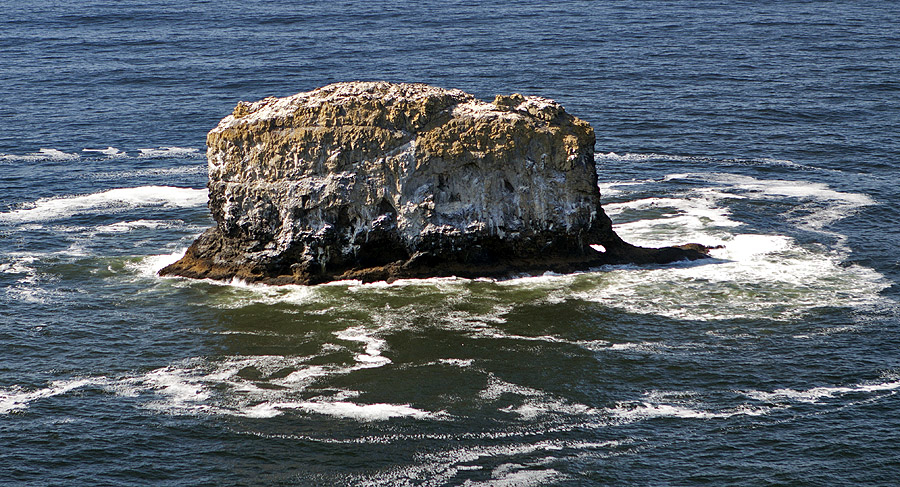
column 378, row 181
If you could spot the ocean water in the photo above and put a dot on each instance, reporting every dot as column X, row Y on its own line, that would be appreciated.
column 768, row 128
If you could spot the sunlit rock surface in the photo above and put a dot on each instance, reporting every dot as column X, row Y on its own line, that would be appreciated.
column 379, row 181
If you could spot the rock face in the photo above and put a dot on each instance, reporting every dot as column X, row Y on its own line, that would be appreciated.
column 376, row 181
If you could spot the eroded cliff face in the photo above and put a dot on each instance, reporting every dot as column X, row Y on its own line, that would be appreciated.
column 374, row 180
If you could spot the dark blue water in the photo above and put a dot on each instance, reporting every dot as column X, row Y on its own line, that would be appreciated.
column 768, row 128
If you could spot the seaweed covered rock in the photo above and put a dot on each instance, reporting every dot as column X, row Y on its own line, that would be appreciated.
column 378, row 181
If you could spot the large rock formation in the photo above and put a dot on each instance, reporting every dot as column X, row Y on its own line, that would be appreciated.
column 377, row 181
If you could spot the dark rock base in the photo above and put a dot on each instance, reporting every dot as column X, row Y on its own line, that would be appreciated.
column 212, row 256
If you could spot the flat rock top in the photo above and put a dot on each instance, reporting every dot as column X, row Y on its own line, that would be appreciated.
column 382, row 95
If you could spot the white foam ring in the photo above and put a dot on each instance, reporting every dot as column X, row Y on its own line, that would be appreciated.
column 110, row 201
column 755, row 275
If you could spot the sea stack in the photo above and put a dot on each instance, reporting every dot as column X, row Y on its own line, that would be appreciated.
column 379, row 181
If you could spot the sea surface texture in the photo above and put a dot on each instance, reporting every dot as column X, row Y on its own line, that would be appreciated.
column 770, row 128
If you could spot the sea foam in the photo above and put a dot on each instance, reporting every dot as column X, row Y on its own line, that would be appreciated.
column 219, row 387
column 830, row 205
column 754, row 275
column 110, row 201
column 149, row 266
column 374, row 346
column 360, row 412
column 818, row 394
column 17, row 399
column 168, row 152
column 41, row 155
column 636, row 411
column 601, row 157
column 110, row 152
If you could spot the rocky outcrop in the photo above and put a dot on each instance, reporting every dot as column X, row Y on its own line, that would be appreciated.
column 378, row 181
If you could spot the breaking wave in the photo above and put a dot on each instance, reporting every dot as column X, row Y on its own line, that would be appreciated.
column 110, row 201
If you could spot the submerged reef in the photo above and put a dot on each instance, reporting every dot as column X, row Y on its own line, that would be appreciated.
column 380, row 181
